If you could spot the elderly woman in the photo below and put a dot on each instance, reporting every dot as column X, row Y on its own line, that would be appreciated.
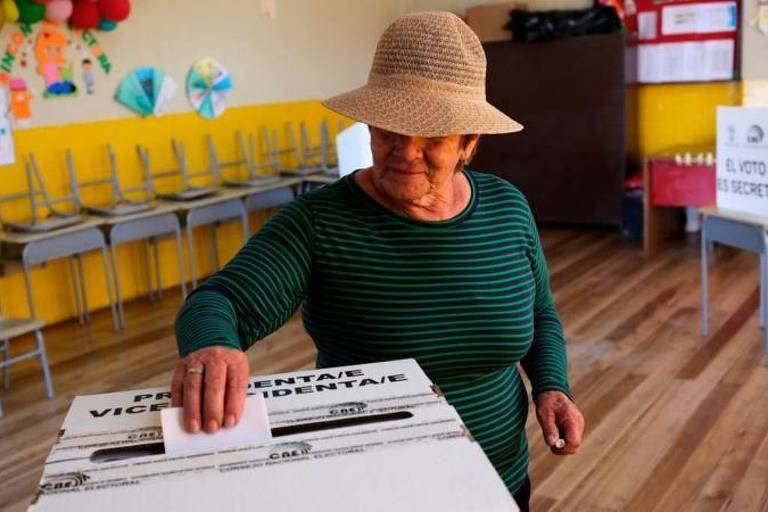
column 415, row 257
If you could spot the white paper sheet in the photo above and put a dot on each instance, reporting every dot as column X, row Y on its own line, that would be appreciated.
column 253, row 428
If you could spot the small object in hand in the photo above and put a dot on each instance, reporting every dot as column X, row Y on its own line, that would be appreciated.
column 195, row 370
column 560, row 444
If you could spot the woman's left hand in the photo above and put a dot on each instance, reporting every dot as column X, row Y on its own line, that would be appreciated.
column 559, row 419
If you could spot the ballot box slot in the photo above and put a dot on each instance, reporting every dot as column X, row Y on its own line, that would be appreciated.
column 148, row 449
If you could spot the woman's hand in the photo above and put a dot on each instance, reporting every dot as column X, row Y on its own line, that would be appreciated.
column 559, row 419
column 211, row 385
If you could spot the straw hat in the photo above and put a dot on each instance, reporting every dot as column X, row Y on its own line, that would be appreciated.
column 428, row 80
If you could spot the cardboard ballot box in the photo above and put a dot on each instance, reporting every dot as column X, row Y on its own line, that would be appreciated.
column 370, row 437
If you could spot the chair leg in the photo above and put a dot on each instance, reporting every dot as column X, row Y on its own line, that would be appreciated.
column 44, row 363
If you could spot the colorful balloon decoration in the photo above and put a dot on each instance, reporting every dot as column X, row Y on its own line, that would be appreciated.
column 85, row 15
column 29, row 11
column 106, row 25
column 58, row 11
column 10, row 10
column 81, row 14
column 114, row 10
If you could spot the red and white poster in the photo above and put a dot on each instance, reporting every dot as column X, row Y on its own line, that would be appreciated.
column 681, row 40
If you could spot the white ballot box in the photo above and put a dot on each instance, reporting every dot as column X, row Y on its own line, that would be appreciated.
column 375, row 437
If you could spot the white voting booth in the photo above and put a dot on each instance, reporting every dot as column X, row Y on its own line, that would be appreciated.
column 741, row 217
column 368, row 437
column 742, row 159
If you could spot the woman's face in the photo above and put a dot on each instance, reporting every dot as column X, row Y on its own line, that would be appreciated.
column 409, row 168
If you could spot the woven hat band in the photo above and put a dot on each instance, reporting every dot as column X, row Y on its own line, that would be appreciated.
column 421, row 85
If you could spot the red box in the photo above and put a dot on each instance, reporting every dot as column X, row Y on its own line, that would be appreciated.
column 681, row 185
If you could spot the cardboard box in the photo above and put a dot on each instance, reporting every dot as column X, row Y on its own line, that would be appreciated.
column 369, row 437
column 488, row 20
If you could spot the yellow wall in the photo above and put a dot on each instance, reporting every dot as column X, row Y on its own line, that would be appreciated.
column 668, row 115
column 54, row 296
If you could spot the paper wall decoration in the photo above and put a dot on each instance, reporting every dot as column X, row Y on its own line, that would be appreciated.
column 17, row 42
column 7, row 152
column 96, row 51
column 87, row 72
column 21, row 102
column 208, row 84
column 52, row 63
column 146, row 91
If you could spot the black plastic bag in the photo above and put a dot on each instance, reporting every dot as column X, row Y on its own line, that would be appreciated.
column 547, row 25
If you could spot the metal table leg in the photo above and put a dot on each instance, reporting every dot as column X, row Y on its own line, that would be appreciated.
column 83, row 291
column 110, row 281
column 148, row 266
column 28, row 286
column 6, row 349
column 191, row 246
column 180, row 258
column 76, row 288
column 764, row 295
column 158, row 282
column 118, row 293
column 704, row 280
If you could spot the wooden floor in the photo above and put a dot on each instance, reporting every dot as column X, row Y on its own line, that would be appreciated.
column 672, row 424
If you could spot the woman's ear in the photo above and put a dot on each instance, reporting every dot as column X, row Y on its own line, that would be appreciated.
column 468, row 147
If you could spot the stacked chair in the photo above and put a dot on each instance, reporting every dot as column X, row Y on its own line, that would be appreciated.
column 244, row 170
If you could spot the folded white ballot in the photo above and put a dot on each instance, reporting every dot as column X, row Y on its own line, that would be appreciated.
column 373, row 437
column 253, row 428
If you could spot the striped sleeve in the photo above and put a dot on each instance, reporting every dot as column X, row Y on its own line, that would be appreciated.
column 546, row 363
column 257, row 291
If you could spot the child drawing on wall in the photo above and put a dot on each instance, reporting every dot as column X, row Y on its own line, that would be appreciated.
column 21, row 100
column 52, row 62
column 88, row 75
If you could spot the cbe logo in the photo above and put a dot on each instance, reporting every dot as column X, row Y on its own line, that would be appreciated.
column 289, row 450
column 347, row 408
column 755, row 135
column 65, row 481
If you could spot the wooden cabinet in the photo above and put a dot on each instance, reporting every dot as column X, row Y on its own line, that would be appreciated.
column 569, row 94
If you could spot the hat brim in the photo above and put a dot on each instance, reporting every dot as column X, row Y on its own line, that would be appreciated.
column 421, row 113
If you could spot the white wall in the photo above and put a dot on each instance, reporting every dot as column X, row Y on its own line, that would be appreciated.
column 311, row 50
column 459, row 6
column 754, row 52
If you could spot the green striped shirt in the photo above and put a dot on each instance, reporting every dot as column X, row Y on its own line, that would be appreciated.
column 468, row 298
